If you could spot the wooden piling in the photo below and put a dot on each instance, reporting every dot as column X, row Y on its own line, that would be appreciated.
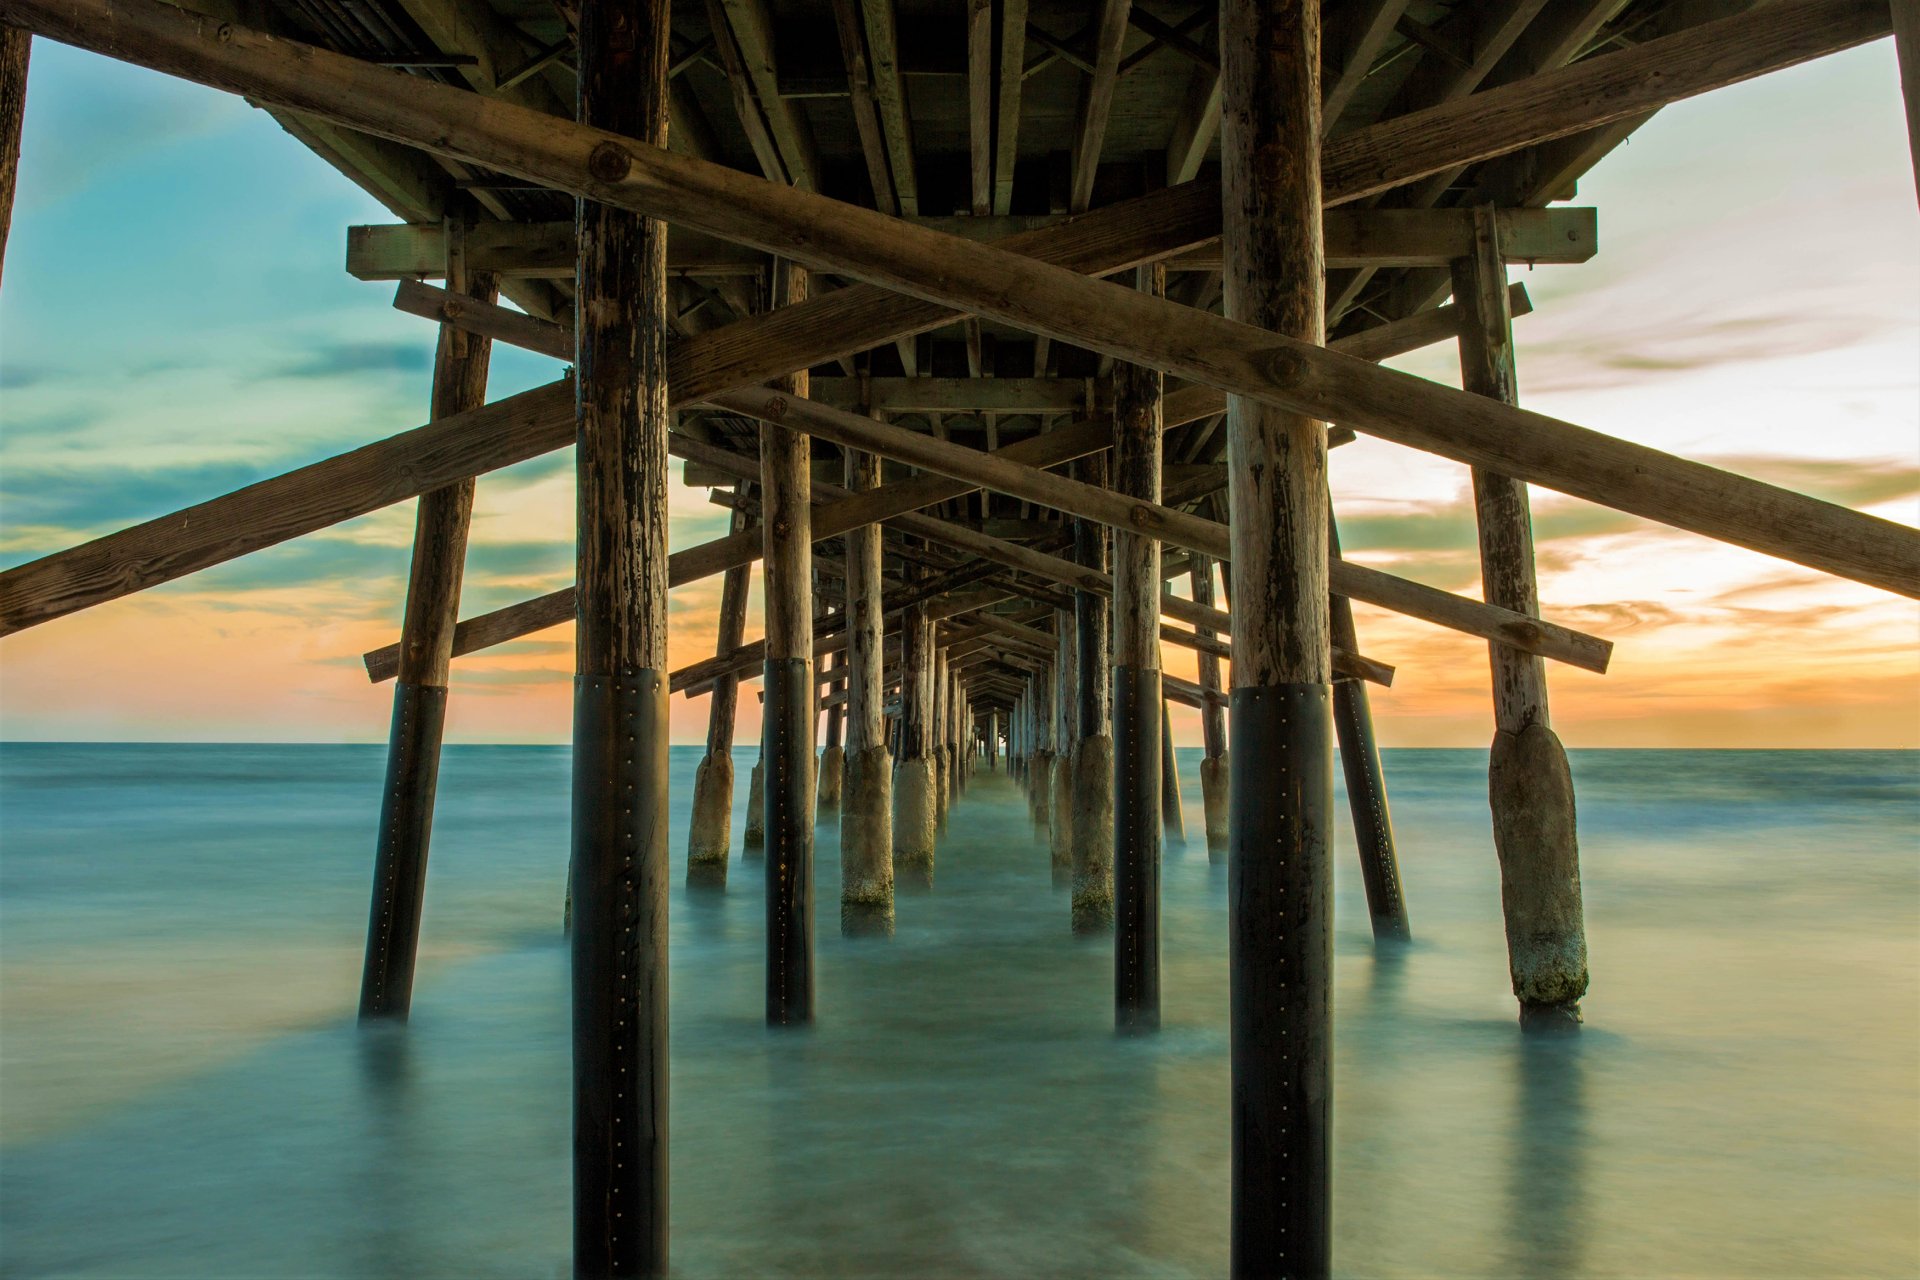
column 1173, row 819
column 1092, row 823
column 426, row 658
column 1366, row 782
column 788, row 715
column 866, row 811
column 1279, row 874
column 1040, row 773
column 832, row 753
column 1138, row 706
column 1066, row 711
column 942, row 763
column 710, row 831
column 620, row 692
column 1530, row 787
column 1212, row 724
column 913, row 806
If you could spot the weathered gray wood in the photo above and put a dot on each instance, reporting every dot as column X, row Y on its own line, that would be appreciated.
column 1013, row 62
column 1096, row 101
column 752, row 29
column 1530, row 786
column 866, row 115
column 1213, row 721
column 914, row 817
column 1092, row 825
column 16, row 46
column 1280, row 891
column 420, row 694
column 1356, row 36
column 1354, row 238
column 1100, row 505
column 619, row 868
column 890, row 95
column 866, row 822
column 710, row 830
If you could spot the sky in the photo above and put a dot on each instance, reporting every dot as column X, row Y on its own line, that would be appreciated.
column 175, row 323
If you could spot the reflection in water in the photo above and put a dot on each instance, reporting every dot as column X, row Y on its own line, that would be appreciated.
column 1547, row 1218
column 179, row 947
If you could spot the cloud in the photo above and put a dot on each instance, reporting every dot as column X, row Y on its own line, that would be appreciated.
column 346, row 359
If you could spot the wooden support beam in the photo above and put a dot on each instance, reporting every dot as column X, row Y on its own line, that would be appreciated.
column 1213, row 720
column 710, row 830
column 788, row 726
column 980, row 93
column 866, row 830
column 866, row 112
column 1355, row 238
column 1012, row 75
column 619, row 873
column 1356, row 36
column 1096, row 102
column 420, row 693
column 1906, row 38
column 1594, row 91
column 752, row 27
column 1195, row 127
column 706, row 559
column 16, row 46
column 1280, row 876
column 890, row 94
column 1102, row 506
column 1093, row 754
column 1530, row 785
column 1137, row 700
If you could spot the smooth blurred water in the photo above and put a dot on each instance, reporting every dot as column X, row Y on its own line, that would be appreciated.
column 183, row 1092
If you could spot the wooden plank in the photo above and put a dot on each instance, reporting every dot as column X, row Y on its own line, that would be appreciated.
column 1012, row 75
column 1354, row 237
column 1194, row 127
column 1089, row 502
column 980, row 94
column 890, row 93
column 752, row 28
column 1096, row 102
column 866, row 112
column 1357, row 34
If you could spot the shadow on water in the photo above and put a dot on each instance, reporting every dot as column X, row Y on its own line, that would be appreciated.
column 1546, row 1195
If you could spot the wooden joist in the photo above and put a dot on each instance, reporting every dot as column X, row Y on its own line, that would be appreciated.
column 1354, row 238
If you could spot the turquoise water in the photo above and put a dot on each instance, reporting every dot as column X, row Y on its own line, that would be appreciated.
column 183, row 1091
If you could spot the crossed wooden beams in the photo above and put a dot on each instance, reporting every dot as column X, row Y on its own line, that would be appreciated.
column 918, row 278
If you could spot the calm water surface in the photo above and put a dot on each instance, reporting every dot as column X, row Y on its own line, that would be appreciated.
column 183, row 1092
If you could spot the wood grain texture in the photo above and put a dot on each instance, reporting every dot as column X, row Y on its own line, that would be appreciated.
column 16, row 47
column 787, row 502
column 722, row 711
column 1136, row 474
column 865, row 692
column 1501, row 510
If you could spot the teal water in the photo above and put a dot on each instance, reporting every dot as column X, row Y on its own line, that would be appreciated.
column 183, row 1092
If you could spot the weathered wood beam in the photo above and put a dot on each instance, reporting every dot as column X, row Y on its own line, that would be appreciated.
column 890, row 93
column 710, row 828
column 1612, row 86
column 420, row 693
column 1906, row 38
column 1012, row 75
column 980, row 93
column 1102, row 506
column 1096, row 102
column 16, row 46
column 1355, row 238
column 1280, row 875
column 866, row 832
column 866, row 113
column 788, row 723
column 1356, row 36
column 1194, row 127
column 752, row 28
column 619, row 877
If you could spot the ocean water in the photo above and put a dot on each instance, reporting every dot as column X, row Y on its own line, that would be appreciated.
column 183, row 1092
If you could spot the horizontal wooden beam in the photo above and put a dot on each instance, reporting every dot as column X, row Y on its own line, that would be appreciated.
column 1375, row 238
column 1090, row 502
column 1183, row 405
